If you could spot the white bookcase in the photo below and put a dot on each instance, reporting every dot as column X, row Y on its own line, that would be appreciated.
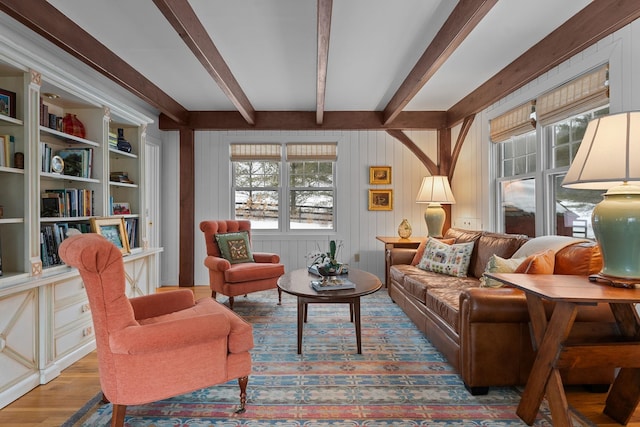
column 45, row 318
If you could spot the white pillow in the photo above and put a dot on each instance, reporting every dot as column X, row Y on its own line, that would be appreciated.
column 497, row 264
column 452, row 260
column 543, row 243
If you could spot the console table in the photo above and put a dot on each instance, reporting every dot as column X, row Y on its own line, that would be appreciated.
column 554, row 353
column 393, row 243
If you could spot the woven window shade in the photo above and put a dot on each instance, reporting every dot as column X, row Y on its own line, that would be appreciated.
column 512, row 123
column 582, row 94
column 248, row 152
column 315, row 151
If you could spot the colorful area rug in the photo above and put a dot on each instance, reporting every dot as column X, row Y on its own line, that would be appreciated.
column 399, row 380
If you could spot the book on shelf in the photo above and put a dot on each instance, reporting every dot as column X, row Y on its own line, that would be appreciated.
column 72, row 202
column 332, row 283
column 7, row 150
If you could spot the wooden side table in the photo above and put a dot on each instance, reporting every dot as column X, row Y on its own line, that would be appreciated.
column 393, row 243
column 554, row 353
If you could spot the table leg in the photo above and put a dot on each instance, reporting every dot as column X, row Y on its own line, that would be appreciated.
column 302, row 306
column 543, row 375
column 356, row 315
column 624, row 395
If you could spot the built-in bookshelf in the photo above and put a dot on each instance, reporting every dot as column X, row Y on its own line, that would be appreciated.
column 58, row 171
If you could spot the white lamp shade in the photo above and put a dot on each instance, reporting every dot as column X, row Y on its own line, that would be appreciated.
column 435, row 189
column 609, row 153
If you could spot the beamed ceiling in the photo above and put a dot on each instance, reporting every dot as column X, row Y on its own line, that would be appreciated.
column 321, row 64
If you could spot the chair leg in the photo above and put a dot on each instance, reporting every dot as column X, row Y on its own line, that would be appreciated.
column 231, row 303
column 117, row 416
column 213, row 294
column 279, row 296
column 242, row 382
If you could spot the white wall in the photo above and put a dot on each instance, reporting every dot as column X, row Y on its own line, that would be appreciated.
column 357, row 226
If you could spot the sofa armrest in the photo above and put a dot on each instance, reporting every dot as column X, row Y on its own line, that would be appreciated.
column 161, row 303
column 494, row 305
column 266, row 257
column 401, row 256
column 216, row 263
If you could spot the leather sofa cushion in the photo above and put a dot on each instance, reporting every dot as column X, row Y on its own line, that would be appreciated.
column 445, row 303
column 418, row 283
column 503, row 245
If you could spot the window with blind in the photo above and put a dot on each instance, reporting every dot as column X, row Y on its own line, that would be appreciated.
column 285, row 186
column 530, row 197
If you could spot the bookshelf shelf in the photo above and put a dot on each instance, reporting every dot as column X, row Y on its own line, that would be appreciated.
column 65, row 137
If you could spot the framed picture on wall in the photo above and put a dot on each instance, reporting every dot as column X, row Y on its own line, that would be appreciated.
column 8, row 103
column 381, row 200
column 113, row 230
column 380, row 175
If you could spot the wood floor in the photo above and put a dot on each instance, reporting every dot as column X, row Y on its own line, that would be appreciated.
column 53, row 403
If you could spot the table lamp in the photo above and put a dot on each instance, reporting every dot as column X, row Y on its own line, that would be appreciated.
column 435, row 191
column 609, row 159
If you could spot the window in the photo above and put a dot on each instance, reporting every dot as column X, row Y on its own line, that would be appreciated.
column 531, row 166
column 264, row 173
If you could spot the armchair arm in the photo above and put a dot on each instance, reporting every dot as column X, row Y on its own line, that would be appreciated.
column 164, row 336
column 216, row 263
column 401, row 256
column 154, row 305
column 266, row 257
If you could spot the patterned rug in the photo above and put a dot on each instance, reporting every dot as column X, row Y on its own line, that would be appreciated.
column 399, row 380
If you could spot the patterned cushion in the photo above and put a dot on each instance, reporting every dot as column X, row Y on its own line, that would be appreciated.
column 234, row 247
column 452, row 260
column 498, row 264
column 420, row 251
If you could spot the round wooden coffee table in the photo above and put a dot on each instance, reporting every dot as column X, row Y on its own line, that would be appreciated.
column 298, row 283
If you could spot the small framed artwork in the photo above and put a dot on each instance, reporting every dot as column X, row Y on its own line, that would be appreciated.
column 380, row 175
column 113, row 230
column 380, row 200
column 8, row 103
column 121, row 208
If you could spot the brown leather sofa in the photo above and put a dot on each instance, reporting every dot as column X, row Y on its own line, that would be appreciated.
column 484, row 332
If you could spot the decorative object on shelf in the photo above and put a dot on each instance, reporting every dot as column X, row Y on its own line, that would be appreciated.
column 326, row 263
column 73, row 126
column 609, row 159
column 113, row 229
column 435, row 191
column 381, row 200
column 121, row 208
column 57, row 164
column 18, row 160
column 123, row 144
column 120, row 177
column 8, row 103
column 380, row 175
column 404, row 229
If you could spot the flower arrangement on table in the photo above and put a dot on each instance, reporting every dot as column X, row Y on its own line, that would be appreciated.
column 325, row 263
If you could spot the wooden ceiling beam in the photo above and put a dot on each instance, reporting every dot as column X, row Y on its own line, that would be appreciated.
column 41, row 17
column 596, row 21
column 464, row 18
column 431, row 166
column 186, row 23
column 462, row 136
column 305, row 120
column 325, row 8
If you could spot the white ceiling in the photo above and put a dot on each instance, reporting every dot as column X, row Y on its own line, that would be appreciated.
column 270, row 47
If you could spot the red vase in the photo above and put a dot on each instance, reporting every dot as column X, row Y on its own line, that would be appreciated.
column 73, row 126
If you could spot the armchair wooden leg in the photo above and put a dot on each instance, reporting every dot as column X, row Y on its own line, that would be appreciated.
column 213, row 294
column 231, row 303
column 279, row 296
column 242, row 382
column 104, row 399
column 117, row 416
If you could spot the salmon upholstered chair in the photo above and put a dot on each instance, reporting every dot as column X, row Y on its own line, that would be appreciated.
column 160, row 345
column 233, row 269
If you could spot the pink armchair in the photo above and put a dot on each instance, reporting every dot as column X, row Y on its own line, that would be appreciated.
column 155, row 346
column 240, row 278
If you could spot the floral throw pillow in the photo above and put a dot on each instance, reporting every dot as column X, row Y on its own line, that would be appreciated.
column 234, row 247
column 498, row 264
column 452, row 260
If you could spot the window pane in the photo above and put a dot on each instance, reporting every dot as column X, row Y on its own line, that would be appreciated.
column 573, row 209
column 311, row 209
column 519, row 155
column 519, row 206
column 256, row 174
column 258, row 206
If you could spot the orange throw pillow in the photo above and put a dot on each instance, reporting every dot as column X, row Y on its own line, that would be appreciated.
column 420, row 252
column 540, row 263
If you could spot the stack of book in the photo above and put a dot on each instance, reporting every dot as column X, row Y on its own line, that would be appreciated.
column 113, row 140
column 332, row 284
column 67, row 202
column 7, row 150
